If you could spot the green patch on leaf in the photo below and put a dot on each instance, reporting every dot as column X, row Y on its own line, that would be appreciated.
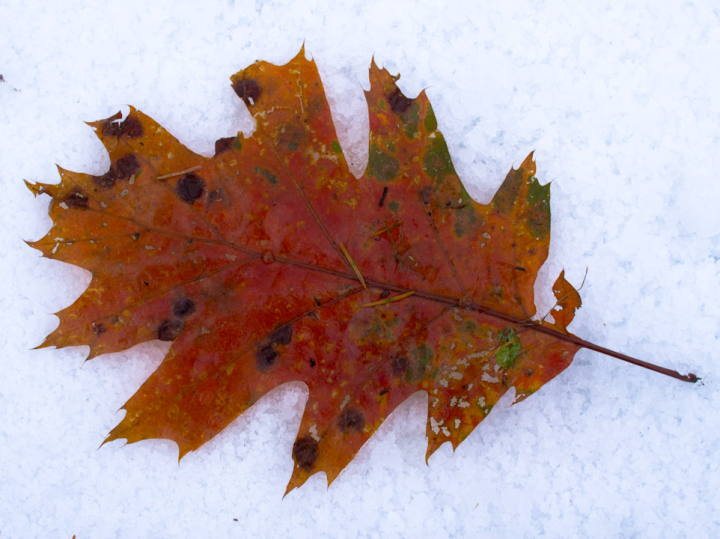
column 335, row 146
column 381, row 165
column 422, row 355
column 536, row 192
column 430, row 121
column 509, row 348
column 394, row 207
column 237, row 144
column 437, row 157
column 265, row 173
column 468, row 327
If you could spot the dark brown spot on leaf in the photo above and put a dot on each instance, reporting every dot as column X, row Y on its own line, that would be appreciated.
column 223, row 144
column 183, row 307
column 305, row 452
column 78, row 199
column 248, row 90
column 351, row 420
column 215, row 196
column 111, row 128
column 529, row 372
column 282, row 335
column 107, row 180
column 136, row 236
column 126, row 166
column 399, row 365
column 131, row 127
column 265, row 357
column 190, row 188
column 169, row 330
column 312, row 362
column 385, row 293
column 98, row 328
column 383, row 392
column 398, row 102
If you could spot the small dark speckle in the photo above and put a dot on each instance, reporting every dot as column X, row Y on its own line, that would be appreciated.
column 305, row 452
column 190, row 188
column 265, row 357
column 529, row 372
column 282, row 335
column 235, row 519
column 146, row 283
column 312, row 362
column 383, row 392
column 136, row 236
column 183, row 307
column 520, row 268
column 398, row 102
column 169, row 330
column 248, row 90
column 351, row 420
column 385, row 293
column 317, row 302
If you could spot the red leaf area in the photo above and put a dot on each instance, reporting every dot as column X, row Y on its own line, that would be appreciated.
column 270, row 262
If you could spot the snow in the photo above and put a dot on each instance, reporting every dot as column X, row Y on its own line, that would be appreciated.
column 621, row 105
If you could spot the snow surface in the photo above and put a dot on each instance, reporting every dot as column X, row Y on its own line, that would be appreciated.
column 621, row 104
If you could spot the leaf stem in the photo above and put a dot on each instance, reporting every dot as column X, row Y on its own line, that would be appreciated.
column 567, row 337
column 690, row 377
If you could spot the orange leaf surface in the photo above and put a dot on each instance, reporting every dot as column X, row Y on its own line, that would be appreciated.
column 270, row 262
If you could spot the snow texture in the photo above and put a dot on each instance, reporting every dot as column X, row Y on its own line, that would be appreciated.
column 622, row 107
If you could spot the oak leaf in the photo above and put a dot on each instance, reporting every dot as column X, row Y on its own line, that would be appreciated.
column 270, row 262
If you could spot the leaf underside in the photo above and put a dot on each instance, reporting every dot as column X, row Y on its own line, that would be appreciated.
column 270, row 262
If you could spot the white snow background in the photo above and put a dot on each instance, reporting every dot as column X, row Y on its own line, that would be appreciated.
column 621, row 104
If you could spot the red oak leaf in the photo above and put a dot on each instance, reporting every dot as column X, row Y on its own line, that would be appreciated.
column 270, row 262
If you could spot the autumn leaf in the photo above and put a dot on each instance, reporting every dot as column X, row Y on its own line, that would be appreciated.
column 270, row 262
